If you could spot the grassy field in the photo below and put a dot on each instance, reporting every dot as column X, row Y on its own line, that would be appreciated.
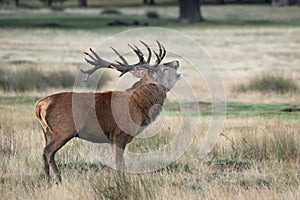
column 256, row 157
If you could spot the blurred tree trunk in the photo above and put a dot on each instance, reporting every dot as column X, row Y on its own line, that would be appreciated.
column 14, row 3
column 189, row 11
column 82, row 3
column 218, row 1
column 151, row 2
column 48, row 3
column 17, row 3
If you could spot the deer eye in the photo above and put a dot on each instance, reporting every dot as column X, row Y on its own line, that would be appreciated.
column 165, row 69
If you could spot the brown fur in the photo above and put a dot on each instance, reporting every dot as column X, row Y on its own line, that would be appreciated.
column 67, row 115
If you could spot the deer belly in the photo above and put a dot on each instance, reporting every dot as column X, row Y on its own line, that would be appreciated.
column 87, row 124
column 93, row 136
column 92, row 131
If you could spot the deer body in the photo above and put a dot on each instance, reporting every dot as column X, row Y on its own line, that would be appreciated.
column 50, row 111
column 114, row 117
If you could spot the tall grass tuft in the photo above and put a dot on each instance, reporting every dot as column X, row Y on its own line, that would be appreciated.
column 278, row 145
column 121, row 186
column 269, row 83
column 34, row 79
column 281, row 147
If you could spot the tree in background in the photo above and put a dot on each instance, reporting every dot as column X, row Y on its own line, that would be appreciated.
column 150, row 2
column 15, row 3
column 189, row 11
column 48, row 3
column 82, row 3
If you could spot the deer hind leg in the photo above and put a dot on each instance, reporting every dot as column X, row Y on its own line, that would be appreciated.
column 46, row 162
column 49, row 152
column 46, row 167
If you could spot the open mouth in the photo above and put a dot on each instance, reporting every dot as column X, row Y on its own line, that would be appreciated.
column 178, row 75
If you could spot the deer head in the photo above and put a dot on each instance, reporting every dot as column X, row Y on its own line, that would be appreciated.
column 165, row 74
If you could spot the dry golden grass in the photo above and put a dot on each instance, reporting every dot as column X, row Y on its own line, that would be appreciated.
column 244, row 164
column 255, row 158
column 240, row 54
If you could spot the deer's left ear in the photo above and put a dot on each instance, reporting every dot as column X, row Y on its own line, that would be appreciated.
column 153, row 75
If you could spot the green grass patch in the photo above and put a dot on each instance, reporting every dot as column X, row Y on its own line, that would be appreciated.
column 72, row 21
column 91, row 3
column 214, row 16
column 269, row 83
column 280, row 110
column 233, row 109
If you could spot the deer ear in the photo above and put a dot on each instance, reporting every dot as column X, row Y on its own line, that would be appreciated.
column 152, row 75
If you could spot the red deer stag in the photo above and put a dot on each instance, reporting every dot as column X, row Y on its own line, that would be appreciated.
column 113, row 117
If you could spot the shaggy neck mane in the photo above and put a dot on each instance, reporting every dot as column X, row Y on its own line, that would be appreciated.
column 147, row 101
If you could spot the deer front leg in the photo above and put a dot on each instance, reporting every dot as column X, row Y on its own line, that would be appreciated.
column 118, row 150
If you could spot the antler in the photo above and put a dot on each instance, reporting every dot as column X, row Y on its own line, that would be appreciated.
column 162, row 53
column 123, row 66
column 97, row 61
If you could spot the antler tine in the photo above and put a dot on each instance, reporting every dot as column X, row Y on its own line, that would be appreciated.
column 158, row 60
column 125, row 67
column 96, row 61
column 162, row 52
column 120, row 56
column 91, row 57
column 95, row 54
column 138, row 52
column 89, row 71
column 89, row 61
column 159, row 46
column 149, row 51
